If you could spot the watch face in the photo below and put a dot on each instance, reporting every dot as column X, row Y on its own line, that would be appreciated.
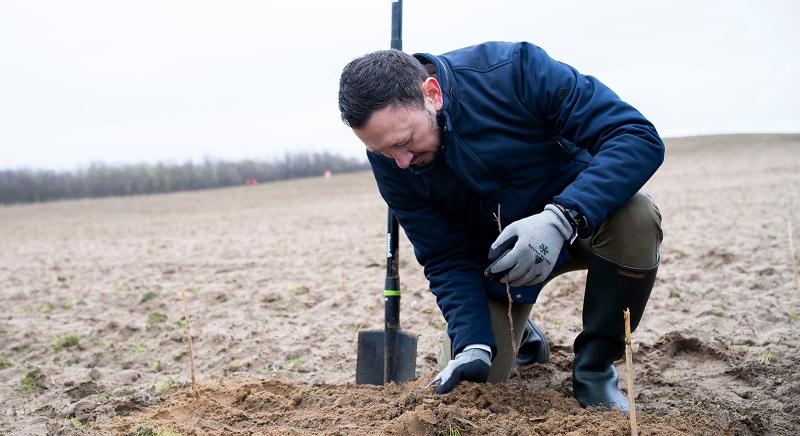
column 577, row 221
column 574, row 214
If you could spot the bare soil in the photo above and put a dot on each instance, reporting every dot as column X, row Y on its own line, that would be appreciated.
column 281, row 277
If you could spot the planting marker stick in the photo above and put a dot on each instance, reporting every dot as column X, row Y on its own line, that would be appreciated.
column 189, row 337
column 792, row 258
column 629, row 373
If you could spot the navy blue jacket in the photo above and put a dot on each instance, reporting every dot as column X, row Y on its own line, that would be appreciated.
column 519, row 130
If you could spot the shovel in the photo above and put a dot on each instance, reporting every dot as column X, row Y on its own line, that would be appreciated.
column 388, row 355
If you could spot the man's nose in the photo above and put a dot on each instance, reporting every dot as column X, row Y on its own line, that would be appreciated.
column 403, row 158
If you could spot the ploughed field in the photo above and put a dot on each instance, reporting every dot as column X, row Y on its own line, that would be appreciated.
column 280, row 278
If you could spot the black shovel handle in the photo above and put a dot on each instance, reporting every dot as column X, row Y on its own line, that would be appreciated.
column 391, row 291
column 397, row 24
column 391, row 300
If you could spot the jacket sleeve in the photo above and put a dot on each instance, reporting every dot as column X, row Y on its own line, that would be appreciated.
column 625, row 146
column 442, row 247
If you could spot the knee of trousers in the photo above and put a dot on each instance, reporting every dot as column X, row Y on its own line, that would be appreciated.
column 631, row 236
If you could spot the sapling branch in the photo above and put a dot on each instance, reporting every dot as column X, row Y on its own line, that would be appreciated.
column 514, row 346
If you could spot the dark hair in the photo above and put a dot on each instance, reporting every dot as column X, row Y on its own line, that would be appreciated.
column 377, row 80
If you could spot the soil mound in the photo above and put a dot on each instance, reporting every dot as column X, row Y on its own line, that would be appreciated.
column 282, row 407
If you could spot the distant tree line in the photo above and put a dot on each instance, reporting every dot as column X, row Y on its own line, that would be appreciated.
column 102, row 180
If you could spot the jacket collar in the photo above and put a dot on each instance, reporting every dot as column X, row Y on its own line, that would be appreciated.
column 445, row 77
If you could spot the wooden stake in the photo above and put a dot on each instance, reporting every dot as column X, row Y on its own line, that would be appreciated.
column 189, row 337
column 793, row 260
column 629, row 373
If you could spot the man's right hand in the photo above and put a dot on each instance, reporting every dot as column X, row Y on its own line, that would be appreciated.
column 471, row 365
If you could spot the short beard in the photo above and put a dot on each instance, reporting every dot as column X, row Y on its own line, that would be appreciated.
column 435, row 121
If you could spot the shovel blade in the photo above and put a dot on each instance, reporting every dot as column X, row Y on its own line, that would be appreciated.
column 370, row 358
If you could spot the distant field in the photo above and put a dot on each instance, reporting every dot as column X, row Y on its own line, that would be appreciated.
column 280, row 277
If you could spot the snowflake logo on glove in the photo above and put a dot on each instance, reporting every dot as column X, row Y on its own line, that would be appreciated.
column 540, row 253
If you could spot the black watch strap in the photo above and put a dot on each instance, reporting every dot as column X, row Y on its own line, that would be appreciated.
column 579, row 226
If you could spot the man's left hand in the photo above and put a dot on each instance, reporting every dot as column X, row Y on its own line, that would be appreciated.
column 471, row 365
column 539, row 241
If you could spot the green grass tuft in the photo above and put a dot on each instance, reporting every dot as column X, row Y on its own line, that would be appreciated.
column 66, row 341
column 147, row 296
column 451, row 431
column 766, row 357
column 292, row 362
column 45, row 308
column 300, row 290
column 163, row 385
column 4, row 363
column 156, row 318
column 31, row 382
column 142, row 430
column 138, row 348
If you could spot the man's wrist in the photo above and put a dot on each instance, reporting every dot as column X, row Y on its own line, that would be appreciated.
column 580, row 228
column 483, row 347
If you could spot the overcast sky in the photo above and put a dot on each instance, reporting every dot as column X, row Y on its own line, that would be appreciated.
column 131, row 81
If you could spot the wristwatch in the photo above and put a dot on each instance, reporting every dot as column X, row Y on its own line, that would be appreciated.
column 580, row 229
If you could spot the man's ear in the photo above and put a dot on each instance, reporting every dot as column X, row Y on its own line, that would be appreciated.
column 432, row 92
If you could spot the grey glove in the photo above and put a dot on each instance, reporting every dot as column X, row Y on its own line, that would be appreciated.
column 539, row 239
column 471, row 365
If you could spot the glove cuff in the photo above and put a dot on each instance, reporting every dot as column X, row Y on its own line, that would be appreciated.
column 561, row 223
column 476, row 354
column 483, row 347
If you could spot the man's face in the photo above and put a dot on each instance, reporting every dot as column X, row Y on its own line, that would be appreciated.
column 408, row 135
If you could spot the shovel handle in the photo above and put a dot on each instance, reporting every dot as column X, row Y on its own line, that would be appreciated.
column 391, row 300
column 391, row 290
column 397, row 24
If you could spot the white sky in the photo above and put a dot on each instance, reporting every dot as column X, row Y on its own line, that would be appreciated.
column 129, row 81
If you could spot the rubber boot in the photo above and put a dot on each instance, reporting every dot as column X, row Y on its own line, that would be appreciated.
column 610, row 289
column 534, row 348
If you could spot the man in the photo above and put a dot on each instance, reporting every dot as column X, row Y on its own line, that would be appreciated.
column 500, row 131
